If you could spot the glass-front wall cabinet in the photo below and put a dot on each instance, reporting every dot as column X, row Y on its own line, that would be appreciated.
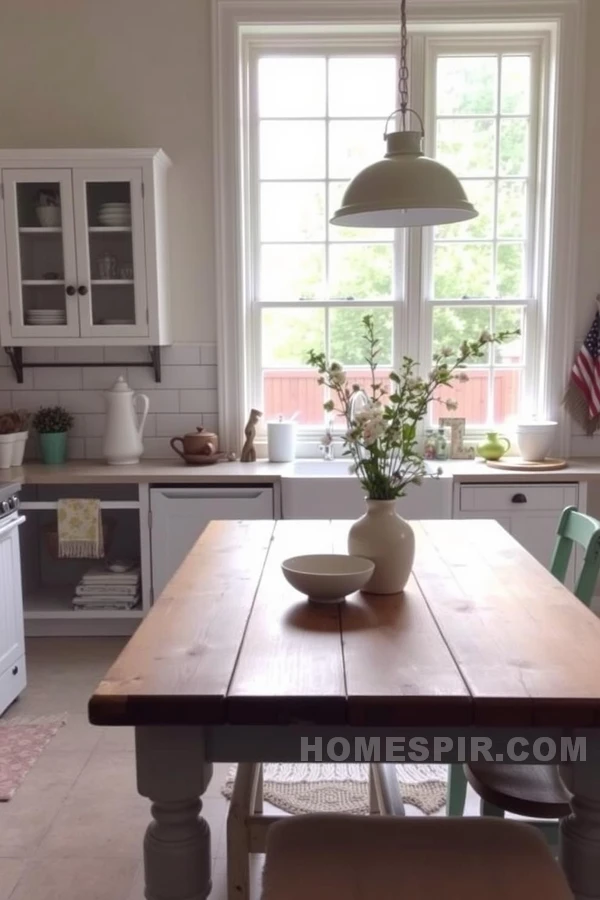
column 78, row 240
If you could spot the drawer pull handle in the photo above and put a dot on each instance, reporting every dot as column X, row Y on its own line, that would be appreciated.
column 15, row 670
column 519, row 498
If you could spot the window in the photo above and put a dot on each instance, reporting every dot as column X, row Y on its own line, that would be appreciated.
column 299, row 108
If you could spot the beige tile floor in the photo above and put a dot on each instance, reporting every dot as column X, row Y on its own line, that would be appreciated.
column 74, row 828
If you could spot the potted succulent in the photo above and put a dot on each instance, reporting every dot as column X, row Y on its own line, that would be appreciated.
column 382, row 439
column 48, row 209
column 52, row 423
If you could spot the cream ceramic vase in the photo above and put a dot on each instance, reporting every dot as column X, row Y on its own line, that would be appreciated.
column 382, row 536
column 123, row 435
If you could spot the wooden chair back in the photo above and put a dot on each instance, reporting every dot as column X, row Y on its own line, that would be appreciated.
column 576, row 528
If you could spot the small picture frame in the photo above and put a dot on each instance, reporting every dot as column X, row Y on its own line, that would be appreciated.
column 457, row 438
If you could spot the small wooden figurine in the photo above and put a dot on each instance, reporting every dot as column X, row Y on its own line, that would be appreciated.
column 249, row 450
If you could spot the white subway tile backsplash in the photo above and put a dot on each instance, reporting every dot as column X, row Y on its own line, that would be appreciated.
column 181, row 355
column 208, row 354
column 32, row 400
column 80, row 354
column 198, row 401
column 82, row 402
column 126, row 354
column 163, row 401
column 158, row 448
column 57, row 379
column 185, row 399
column 100, row 379
column 39, row 354
column 177, row 424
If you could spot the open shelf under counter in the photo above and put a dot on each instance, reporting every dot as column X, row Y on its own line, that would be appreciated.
column 55, row 602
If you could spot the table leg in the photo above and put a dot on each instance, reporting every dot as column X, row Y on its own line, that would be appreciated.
column 580, row 832
column 172, row 772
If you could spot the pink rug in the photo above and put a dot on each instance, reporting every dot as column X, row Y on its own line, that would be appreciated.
column 22, row 741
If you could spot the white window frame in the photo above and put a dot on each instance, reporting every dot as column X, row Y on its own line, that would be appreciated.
column 238, row 23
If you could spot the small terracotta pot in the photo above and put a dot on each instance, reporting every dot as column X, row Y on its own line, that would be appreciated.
column 196, row 443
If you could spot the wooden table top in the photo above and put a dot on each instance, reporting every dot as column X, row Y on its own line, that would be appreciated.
column 483, row 635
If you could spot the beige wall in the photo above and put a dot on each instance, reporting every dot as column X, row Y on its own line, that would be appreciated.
column 111, row 73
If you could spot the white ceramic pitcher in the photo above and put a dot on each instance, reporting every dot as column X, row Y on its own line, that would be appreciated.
column 123, row 435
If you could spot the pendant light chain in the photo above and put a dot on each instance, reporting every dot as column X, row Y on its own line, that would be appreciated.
column 403, row 72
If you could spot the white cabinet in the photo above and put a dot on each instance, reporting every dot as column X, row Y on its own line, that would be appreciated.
column 343, row 498
column 12, row 642
column 180, row 515
column 83, row 256
column 530, row 512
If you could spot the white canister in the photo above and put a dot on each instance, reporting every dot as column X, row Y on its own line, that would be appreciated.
column 281, row 441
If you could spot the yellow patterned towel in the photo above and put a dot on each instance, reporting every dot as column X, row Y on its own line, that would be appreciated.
column 80, row 533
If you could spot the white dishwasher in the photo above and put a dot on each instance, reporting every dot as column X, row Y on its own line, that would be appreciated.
column 179, row 515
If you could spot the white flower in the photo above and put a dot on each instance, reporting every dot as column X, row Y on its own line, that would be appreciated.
column 451, row 405
column 372, row 431
column 338, row 377
column 485, row 336
column 335, row 367
column 462, row 377
column 447, row 351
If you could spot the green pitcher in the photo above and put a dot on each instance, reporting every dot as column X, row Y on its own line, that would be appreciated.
column 494, row 447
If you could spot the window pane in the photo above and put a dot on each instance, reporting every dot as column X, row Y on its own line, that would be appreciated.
column 289, row 334
column 342, row 233
column 514, row 147
column 468, row 146
column 291, row 86
column 472, row 399
column 512, row 209
column 362, row 86
column 467, row 85
column 353, row 145
column 510, row 275
column 509, row 318
column 347, row 344
column 462, row 271
column 454, row 324
column 516, row 85
column 360, row 271
column 304, row 206
column 292, row 272
column 481, row 195
column 289, row 385
column 292, row 150
column 507, row 393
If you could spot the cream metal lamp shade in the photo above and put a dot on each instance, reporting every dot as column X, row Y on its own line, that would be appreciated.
column 405, row 189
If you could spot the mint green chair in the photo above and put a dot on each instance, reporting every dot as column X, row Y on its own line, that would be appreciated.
column 537, row 789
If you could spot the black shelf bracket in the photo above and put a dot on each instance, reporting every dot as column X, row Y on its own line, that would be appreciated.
column 15, row 354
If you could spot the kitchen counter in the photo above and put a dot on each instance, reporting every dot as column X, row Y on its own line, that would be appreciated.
column 172, row 472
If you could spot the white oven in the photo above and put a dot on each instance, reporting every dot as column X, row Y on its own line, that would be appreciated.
column 12, row 642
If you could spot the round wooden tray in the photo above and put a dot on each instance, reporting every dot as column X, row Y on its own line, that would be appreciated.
column 520, row 465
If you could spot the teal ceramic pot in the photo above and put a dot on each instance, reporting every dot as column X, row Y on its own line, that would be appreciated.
column 54, row 448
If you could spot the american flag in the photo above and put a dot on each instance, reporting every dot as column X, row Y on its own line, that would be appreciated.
column 585, row 374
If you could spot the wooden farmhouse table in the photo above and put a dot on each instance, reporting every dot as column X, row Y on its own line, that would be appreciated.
column 232, row 664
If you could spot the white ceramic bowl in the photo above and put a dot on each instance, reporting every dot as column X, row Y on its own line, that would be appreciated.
column 535, row 439
column 327, row 577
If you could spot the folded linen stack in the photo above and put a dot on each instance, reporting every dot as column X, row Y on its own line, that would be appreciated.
column 101, row 588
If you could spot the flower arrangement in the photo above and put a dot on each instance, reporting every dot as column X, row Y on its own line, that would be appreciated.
column 13, row 421
column 52, row 420
column 382, row 437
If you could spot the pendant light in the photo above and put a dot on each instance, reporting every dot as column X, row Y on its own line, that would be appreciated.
column 405, row 188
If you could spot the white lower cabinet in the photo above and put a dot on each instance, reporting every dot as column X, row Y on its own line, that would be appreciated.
column 343, row 498
column 12, row 640
column 530, row 512
column 180, row 515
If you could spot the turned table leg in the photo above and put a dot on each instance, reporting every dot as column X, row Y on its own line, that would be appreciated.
column 580, row 832
column 172, row 773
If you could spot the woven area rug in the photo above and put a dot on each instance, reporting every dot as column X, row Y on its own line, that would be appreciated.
column 22, row 741
column 323, row 787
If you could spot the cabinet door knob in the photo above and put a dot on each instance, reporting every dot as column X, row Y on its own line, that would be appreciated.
column 15, row 670
column 519, row 498
column 83, row 290
column 70, row 290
